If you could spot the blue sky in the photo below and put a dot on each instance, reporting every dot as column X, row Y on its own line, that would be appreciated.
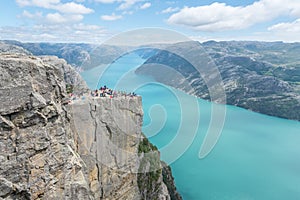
column 97, row 20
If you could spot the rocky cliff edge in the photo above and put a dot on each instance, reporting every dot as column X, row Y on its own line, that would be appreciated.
column 90, row 149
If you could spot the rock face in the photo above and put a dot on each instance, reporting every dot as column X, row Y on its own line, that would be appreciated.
column 107, row 139
column 71, row 77
column 50, row 149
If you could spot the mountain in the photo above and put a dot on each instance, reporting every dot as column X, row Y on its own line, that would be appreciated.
column 82, row 56
column 260, row 76
column 9, row 48
column 89, row 149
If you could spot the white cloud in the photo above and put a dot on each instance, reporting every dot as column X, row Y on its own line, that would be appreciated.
column 127, row 12
column 86, row 27
column 145, row 6
column 46, row 36
column 220, row 17
column 72, row 7
column 126, row 4
column 170, row 10
column 29, row 15
column 56, row 33
column 111, row 17
column 38, row 3
column 57, row 18
column 289, row 31
column 107, row 1
column 69, row 7
column 170, row 2
column 23, row 2
column 286, row 27
column 51, row 18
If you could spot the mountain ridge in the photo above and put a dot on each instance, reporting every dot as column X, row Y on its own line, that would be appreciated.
column 248, row 82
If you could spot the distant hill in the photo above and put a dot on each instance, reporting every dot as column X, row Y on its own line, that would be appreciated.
column 10, row 48
column 79, row 55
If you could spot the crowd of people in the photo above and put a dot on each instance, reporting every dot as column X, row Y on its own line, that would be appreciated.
column 103, row 92
column 107, row 92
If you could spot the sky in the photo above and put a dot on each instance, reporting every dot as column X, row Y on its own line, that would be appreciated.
column 95, row 21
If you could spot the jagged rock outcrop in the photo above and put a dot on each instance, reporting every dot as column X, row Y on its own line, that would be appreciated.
column 71, row 77
column 50, row 149
column 169, row 182
column 10, row 48
column 38, row 153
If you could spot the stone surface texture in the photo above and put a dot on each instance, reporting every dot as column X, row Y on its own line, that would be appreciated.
column 50, row 149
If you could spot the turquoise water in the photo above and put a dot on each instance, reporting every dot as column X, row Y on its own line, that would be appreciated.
column 256, row 157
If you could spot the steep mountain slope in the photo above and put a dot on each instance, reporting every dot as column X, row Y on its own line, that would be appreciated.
column 250, row 79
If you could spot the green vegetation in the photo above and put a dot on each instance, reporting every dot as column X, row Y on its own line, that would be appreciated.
column 69, row 88
column 288, row 73
column 280, row 106
column 145, row 146
column 149, row 170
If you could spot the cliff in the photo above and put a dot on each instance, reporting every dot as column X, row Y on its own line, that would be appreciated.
column 88, row 149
